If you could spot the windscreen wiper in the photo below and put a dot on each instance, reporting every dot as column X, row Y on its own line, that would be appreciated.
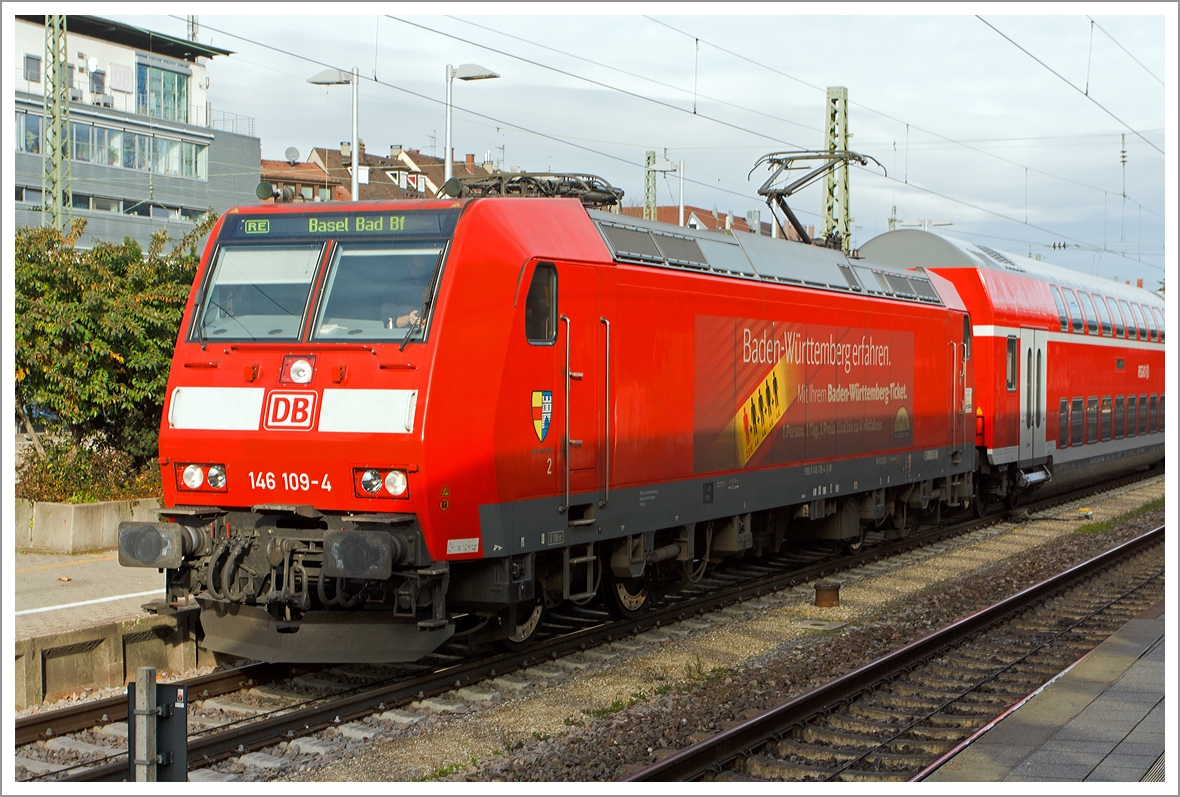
column 228, row 314
column 427, row 298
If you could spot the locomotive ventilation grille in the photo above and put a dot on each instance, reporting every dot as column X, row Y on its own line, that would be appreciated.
column 756, row 257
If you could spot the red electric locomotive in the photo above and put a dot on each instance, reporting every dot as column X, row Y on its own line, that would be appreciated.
column 1070, row 367
column 388, row 419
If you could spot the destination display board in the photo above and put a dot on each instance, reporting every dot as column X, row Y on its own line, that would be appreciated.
column 337, row 224
column 770, row 393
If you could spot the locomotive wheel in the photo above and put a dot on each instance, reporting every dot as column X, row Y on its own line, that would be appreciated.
column 854, row 544
column 528, row 622
column 626, row 597
column 899, row 522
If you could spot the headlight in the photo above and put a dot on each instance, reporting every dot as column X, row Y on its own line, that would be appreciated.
column 216, row 476
column 395, row 482
column 301, row 372
column 194, row 477
column 371, row 481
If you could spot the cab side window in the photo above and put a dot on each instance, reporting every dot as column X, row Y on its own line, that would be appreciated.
column 540, row 306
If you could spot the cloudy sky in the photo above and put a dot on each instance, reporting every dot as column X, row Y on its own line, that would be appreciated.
column 1010, row 125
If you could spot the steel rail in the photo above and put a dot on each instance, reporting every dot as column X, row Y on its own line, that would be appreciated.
column 113, row 709
column 712, row 753
column 216, row 746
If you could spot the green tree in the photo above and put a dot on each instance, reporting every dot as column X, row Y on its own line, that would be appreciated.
column 95, row 330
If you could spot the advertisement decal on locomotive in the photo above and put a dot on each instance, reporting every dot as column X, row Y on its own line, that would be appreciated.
column 771, row 393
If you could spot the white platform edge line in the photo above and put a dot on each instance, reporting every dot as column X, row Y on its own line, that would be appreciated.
column 89, row 603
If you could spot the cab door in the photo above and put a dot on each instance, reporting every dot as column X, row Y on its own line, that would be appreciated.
column 580, row 339
column 1032, row 420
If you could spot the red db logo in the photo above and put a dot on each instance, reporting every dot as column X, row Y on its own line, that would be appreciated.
column 290, row 411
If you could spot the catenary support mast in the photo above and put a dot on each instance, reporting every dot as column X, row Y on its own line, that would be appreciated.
column 836, row 216
column 56, row 196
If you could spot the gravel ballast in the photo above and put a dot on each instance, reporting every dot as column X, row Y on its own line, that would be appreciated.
column 611, row 717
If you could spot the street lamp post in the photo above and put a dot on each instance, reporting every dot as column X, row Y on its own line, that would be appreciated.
column 338, row 77
column 463, row 72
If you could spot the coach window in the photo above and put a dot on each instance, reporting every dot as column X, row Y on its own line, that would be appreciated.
column 1139, row 323
column 1091, row 316
column 1077, row 419
column 1103, row 315
column 1130, row 319
column 1130, row 416
column 1153, row 414
column 1106, row 418
column 1092, row 420
column 1120, row 329
column 966, row 338
column 1060, row 308
column 1011, row 364
column 1075, row 312
column 1162, row 413
column 1152, row 331
column 1063, row 424
column 1142, row 413
column 1159, row 316
column 540, row 307
column 1118, row 417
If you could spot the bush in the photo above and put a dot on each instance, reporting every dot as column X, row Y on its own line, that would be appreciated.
column 79, row 474
column 95, row 331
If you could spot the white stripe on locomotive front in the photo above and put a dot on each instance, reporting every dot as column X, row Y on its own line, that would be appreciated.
column 385, row 411
column 236, row 409
column 239, row 409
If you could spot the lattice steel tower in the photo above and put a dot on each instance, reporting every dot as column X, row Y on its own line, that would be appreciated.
column 649, row 187
column 56, row 196
column 836, row 216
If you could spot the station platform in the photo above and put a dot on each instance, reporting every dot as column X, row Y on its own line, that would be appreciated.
column 1100, row 721
column 66, row 592
column 78, row 626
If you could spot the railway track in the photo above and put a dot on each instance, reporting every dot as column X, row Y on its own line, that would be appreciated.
column 311, row 700
column 894, row 718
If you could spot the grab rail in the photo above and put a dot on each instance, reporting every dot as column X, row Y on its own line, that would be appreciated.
column 606, row 411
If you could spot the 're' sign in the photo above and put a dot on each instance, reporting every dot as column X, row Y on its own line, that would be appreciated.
column 290, row 411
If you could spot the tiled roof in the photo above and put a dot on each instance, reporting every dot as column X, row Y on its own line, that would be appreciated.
column 380, row 185
column 303, row 172
column 670, row 214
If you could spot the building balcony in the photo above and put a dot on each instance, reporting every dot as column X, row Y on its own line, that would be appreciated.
column 198, row 115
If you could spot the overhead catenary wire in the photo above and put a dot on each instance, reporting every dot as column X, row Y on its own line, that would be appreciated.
column 959, row 142
column 1125, row 50
column 1004, row 216
column 659, row 102
column 601, row 84
column 1064, row 80
column 636, row 75
column 626, row 161
column 492, row 119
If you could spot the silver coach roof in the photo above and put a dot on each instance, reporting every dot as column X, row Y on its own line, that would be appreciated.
column 935, row 250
